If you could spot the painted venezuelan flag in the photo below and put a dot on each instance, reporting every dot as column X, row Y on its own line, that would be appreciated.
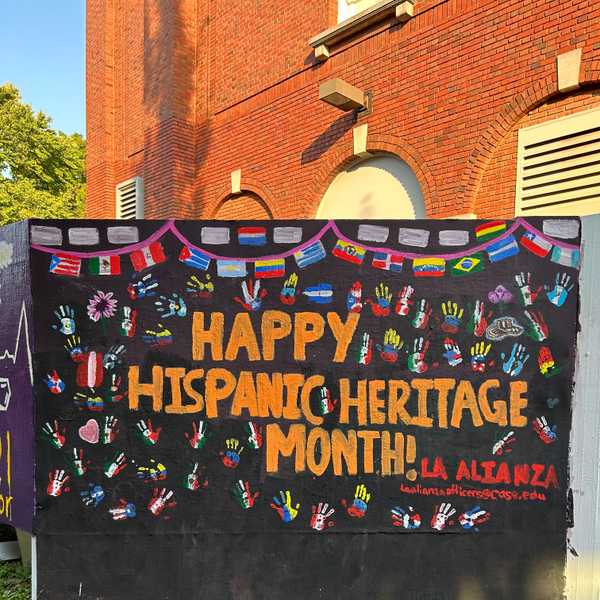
column 429, row 267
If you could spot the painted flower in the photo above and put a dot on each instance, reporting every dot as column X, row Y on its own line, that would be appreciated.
column 101, row 306
column 6, row 254
column 500, row 295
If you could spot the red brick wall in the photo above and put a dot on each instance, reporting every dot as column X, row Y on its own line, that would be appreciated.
column 232, row 85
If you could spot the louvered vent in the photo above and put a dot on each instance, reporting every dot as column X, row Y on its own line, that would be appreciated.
column 558, row 166
column 130, row 199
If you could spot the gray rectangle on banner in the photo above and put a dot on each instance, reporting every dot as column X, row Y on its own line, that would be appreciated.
column 287, row 235
column 373, row 233
column 46, row 236
column 215, row 235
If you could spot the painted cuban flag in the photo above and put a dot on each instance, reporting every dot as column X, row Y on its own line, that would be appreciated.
column 568, row 257
column 535, row 244
column 269, row 269
column 349, row 252
column 194, row 258
column 388, row 261
column 63, row 264
column 105, row 265
column 310, row 255
column 252, row 236
column 231, row 268
column 502, row 249
column 148, row 256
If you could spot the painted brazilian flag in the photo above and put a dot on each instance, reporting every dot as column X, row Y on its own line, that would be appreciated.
column 466, row 265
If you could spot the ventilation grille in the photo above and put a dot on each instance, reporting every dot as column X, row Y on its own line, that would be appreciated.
column 130, row 199
column 559, row 166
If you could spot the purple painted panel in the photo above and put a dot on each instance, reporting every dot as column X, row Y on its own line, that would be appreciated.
column 17, row 488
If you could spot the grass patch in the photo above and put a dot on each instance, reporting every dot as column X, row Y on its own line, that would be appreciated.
column 15, row 581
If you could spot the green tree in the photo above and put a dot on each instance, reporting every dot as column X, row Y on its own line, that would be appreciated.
column 42, row 171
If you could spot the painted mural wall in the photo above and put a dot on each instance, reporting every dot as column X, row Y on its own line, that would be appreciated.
column 310, row 406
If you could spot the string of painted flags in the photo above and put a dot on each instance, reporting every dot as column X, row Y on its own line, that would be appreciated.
column 496, row 242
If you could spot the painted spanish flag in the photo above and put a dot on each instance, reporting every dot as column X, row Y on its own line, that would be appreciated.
column 489, row 230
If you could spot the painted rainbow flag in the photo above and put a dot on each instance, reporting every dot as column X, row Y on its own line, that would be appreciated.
column 489, row 230
column 268, row 269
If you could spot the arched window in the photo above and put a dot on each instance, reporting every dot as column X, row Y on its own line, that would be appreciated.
column 381, row 187
column 246, row 205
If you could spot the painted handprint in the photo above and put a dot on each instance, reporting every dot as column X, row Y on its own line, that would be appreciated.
column 91, row 401
column 93, row 496
column 253, row 295
column 479, row 320
column 116, row 465
column 127, row 321
column 65, row 316
column 114, row 357
column 231, row 456
column 528, row 293
column 545, row 432
column 357, row 509
column 156, row 338
column 504, row 444
column 147, row 432
column 536, row 328
column 58, row 480
column 513, row 364
column 479, row 352
column 546, row 364
column 74, row 348
column 115, row 394
column 452, row 352
column 423, row 313
column 55, row 384
column 195, row 480
column 155, row 471
column 289, row 290
column 123, row 510
column 284, row 507
column 54, row 434
column 391, row 345
column 203, row 289
column 365, row 350
column 416, row 358
column 254, row 434
column 171, row 306
column 442, row 514
column 452, row 314
column 407, row 519
column 560, row 292
column 243, row 494
column 199, row 435
column 142, row 287
column 319, row 516
column 78, row 463
column 110, row 428
column 473, row 517
column 354, row 298
column 326, row 403
column 161, row 500
column 404, row 302
column 380, row 307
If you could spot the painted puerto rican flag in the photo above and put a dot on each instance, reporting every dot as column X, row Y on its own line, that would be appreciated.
column 105, row 265
column 269, row 269
column 63, row 264
column 194, row 258
column 252, row 236
column 90, row 372
column 388, row 261
column 148, row 256
column 349, row 252
column 536, row 244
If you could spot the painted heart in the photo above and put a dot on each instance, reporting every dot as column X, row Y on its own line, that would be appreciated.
column 90, row 432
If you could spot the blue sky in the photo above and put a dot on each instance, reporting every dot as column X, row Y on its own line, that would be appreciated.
column 42, row 52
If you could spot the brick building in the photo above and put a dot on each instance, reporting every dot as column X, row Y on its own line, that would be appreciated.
column 212, row 109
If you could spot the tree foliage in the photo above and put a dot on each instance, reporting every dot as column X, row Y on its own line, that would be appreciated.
column 42, row 171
